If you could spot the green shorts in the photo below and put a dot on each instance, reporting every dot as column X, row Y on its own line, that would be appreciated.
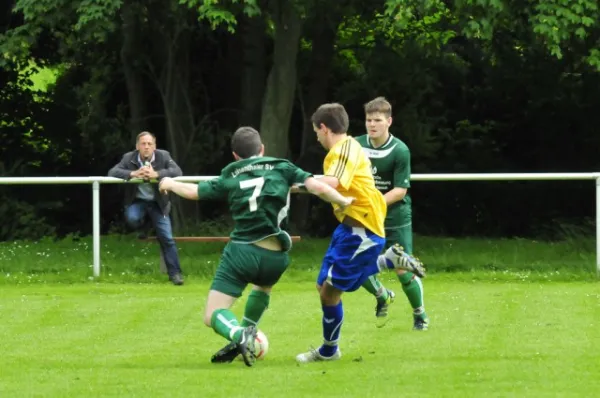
column 402, row 235
column 242, row 264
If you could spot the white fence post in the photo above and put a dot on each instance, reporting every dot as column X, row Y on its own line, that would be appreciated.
column 96, row 226
column 598, row 226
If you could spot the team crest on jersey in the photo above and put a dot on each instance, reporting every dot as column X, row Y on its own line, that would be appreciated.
column 373, row 170
column 378, row 153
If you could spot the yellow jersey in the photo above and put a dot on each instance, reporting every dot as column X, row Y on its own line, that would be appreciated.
column 347, row 162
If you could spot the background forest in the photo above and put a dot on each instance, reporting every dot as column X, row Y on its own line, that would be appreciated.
column 476, row 86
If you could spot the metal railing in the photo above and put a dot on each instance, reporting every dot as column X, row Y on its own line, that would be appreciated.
column 96, row 181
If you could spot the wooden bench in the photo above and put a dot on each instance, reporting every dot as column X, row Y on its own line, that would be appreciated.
column 163, row 266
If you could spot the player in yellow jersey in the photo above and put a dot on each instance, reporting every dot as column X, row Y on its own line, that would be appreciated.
column 353, row 254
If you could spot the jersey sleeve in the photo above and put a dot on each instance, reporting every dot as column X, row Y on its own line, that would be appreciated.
column 212, row 189
column 402, row 168
column 294, row 174
column 342, row 162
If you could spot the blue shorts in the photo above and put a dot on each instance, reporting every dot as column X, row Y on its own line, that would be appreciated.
column 351, row 258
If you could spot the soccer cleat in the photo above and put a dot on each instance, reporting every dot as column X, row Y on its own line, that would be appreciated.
column 247, row 345
column 396, row 256
column 421, row 322
column 226, row 354
column 381, row 311
column 314, row 356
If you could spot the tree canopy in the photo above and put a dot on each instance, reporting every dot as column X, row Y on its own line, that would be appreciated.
column 476, row 86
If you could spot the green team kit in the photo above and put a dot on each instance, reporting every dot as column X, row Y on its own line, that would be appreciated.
column 257, row 190
column 390, row 165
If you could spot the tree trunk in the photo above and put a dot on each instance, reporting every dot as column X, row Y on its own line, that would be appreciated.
column 173, row 84
column 254, row 69
column 281, row 83
column 311, row 154
column 131, row 68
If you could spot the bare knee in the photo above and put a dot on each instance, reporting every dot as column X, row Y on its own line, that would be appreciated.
column 208, row 318
column 264, row 289
column 330, row 295
column 216, row 301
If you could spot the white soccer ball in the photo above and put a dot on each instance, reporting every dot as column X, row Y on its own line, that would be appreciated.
column 261, row 345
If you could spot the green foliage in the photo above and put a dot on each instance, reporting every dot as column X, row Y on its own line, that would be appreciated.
column 223, row 13
column 556, row 23
column 22, row 221
column 70, row 23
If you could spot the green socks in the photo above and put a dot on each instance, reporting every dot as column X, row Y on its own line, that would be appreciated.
column 413, row 289
column 225, row 324
column 376, row 288
column 257, row 304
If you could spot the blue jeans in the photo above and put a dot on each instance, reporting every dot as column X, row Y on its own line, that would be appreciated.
column 135, row 215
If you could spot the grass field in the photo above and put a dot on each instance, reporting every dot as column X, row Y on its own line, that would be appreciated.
column 140, row 340
column 522, row 321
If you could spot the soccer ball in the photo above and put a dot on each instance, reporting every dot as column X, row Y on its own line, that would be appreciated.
column 261, row 345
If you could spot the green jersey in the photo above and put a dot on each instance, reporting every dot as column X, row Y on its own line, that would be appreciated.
column 390, row 165
column 258, row 192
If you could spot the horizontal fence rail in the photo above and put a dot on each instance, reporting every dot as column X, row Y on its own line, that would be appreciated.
column 96, row 181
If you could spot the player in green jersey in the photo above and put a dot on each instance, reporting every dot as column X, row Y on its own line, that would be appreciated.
column 390, row 163
column 257, row 189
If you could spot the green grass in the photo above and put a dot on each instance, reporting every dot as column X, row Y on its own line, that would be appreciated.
column 125, row 259
column 138, row 340
column 509, row 318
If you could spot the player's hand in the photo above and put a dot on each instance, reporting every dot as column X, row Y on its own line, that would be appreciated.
column 165, row 185
column 349, row 200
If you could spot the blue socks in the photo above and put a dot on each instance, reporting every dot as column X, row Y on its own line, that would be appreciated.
column 333, row 316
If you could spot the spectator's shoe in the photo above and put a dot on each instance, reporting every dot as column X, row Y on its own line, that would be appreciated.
column 226, row 354
column 381, row 311
column 176, row 279
column 247, row 346
column 421, row 322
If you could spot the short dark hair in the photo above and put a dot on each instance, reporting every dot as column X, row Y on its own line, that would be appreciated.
column 379, row 104
column 143, row 133
column 333, row 116
column 246, row 142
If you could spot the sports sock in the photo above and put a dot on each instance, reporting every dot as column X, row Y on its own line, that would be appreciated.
column 376, row 288
column 333, row 316
column 257, row 304
column 413, row 288
column 384, row 264
column 225, row 324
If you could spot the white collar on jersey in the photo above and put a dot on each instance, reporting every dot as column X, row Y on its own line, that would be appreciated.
column 389, row 140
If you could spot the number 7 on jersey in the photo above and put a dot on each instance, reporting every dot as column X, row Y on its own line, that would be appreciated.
column 257, row 184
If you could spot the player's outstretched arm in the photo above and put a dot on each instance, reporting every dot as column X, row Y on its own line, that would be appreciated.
column 183, row 189
column 326, row 192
